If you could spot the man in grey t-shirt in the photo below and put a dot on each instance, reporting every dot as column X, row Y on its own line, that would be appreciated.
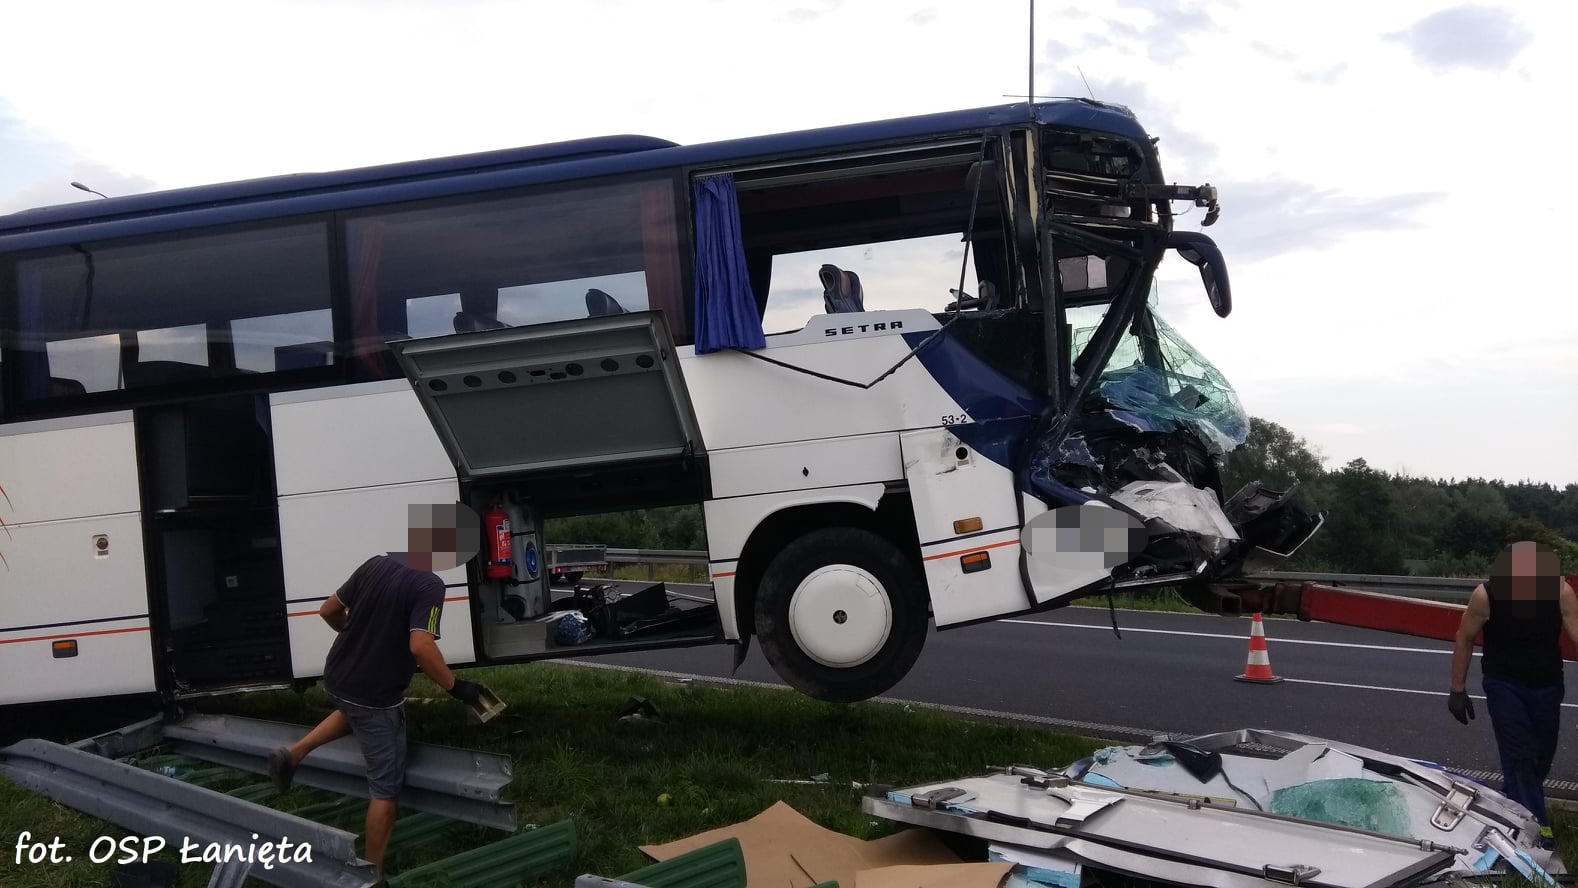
column 387, row 616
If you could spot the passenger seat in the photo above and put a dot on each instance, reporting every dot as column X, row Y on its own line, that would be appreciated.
column 841, row 290
column 600, row 304
column 471, row 322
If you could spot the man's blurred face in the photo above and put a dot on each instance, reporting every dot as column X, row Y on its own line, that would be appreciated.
column 1525, row 572
column 442, row 536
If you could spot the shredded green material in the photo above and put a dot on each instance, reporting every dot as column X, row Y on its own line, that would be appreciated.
column 1349, row 801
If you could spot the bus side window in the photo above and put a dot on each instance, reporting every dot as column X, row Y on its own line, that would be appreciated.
column 490, row 262
column 173, row 310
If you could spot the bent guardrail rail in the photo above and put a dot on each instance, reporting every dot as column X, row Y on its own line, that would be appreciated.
column 461, row 784
column 190, row 819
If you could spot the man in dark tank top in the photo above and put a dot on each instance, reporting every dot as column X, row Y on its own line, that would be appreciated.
column 1522, row 610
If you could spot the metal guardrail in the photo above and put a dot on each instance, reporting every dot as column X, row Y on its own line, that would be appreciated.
column 152, row 805
column 1432, row 588
column 657, row 556
column 460, row 784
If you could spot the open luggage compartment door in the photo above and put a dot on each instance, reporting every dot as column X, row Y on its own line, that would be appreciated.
column 542, row 399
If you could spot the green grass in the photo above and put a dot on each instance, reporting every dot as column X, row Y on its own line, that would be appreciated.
column 714, row 753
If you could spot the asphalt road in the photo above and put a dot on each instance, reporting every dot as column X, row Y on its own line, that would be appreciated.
column 1175, row 673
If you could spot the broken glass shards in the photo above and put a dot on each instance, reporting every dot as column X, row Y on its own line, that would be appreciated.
column 1185, row 391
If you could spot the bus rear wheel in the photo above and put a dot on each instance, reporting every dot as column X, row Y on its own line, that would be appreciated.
column 841, row 614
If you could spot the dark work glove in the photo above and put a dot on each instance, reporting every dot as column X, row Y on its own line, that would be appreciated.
column 468, row 692
column 1461, row 706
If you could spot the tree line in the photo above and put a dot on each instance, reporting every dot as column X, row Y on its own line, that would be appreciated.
column 1377, row 522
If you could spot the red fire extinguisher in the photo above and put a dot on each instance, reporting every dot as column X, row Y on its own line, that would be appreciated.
column 499, row 567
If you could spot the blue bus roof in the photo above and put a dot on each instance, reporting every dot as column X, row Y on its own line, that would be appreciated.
column 303, row 193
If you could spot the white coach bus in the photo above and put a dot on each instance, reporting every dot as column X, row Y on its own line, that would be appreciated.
column 871, row 353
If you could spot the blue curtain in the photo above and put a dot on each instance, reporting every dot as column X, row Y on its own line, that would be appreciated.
column 725, row 306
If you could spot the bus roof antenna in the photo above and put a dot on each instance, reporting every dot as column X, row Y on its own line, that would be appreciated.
column 1087, row 82
column 1030, row 94
column 82, row 187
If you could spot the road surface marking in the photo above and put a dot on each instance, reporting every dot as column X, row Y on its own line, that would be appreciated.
column 1343, row 684
column 1239, row 638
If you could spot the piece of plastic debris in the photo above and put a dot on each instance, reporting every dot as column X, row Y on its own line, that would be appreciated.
column 573, row 628
column 639, row 709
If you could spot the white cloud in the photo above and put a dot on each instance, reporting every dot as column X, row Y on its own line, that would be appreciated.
column 1391, row 248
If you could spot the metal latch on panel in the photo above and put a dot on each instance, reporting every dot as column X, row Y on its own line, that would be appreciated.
column 1297, row 874
column 936, row 798
column 1456, row 806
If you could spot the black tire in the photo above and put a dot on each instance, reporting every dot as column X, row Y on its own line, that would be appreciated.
column 570, row 578
column 905, row 596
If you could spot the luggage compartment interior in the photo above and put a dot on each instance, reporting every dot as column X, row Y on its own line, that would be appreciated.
column 577, row 417
column 525, row 615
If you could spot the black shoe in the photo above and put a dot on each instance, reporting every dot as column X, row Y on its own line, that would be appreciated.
column 281, row 768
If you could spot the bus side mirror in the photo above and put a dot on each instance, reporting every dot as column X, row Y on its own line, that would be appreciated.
column 1203, row 253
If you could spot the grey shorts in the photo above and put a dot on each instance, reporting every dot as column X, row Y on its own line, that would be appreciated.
column 381, row 735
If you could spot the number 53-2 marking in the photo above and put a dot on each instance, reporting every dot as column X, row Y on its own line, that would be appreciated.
column 949, row 419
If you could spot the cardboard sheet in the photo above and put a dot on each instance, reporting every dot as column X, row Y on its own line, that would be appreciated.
column 785, row 849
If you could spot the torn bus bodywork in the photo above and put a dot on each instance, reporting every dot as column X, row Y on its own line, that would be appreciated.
column 1239, row 808
column 1137, row 419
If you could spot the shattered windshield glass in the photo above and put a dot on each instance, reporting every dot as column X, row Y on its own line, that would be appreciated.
column 1186, row 390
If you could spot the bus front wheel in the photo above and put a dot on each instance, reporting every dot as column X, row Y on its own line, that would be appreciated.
column 841, row 614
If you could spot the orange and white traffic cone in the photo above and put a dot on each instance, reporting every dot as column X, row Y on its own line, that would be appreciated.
column 1258, row 669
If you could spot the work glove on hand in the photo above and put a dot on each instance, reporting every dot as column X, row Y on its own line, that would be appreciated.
column 468, row 692
column 1461, row 706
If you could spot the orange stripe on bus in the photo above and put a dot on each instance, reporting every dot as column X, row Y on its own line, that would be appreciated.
column 73, row 635
column 724, row 574
column 972, row 549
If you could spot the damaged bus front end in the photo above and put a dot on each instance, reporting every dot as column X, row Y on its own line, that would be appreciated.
column 1137, row 420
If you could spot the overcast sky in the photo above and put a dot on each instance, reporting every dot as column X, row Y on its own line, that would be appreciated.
column 1388, row 171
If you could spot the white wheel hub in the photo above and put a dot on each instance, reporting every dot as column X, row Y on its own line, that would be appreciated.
column 840, row 616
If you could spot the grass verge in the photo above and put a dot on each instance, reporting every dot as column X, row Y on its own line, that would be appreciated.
column 714, row 753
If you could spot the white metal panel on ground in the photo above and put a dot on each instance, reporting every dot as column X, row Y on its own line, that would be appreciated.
column 945, row 488
column 58, row 469
column 354, row 436
column 325, row 536
column 803, row 465
column 742, row 401
column 58, row 586
column 730, row 523
column 1166, row 832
